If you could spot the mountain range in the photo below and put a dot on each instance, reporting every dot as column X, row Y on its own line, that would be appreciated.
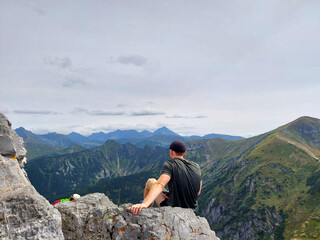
column 52, row 143
column 263, row 187
column 266, row 187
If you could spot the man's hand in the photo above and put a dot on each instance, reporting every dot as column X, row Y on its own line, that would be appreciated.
column 135, row 209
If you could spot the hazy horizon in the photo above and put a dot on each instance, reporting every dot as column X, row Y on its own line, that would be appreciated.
column 141, row 130
column 152, row 130
column 225, row 67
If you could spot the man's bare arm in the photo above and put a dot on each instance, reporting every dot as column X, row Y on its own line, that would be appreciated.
column 155, row 190
column 200, row 188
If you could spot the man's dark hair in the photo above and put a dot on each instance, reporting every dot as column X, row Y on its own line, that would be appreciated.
column 180, row 154
column 178, row 146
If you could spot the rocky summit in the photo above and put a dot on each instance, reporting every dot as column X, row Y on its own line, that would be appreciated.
column 94, row 216
column 25, row 214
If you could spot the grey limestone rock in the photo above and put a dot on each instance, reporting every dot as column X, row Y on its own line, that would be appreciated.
column 94, row 216
column 11, row 144
column 24, row 213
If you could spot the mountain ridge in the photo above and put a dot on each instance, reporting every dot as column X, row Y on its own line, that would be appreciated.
column 47, row 144
column 266, row 183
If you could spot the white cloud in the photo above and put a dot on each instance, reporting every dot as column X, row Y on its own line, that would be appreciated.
column 80, row 110
column 181, row 116
column 35, row 112
column 60, row 62
column 147, row 113
column 136, row 60
column 71, row 82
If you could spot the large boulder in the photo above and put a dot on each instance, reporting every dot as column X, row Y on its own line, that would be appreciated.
column 94, row 216
column 24, row 213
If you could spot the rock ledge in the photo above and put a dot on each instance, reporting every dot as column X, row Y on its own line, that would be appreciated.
column 94, row 216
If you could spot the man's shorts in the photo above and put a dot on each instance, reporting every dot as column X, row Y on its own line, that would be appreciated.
column 165, row 202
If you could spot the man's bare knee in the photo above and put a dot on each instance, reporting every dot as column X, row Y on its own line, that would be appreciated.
column 150, row 182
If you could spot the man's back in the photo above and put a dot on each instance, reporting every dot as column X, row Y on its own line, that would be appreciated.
column 184, row 184
column 183, row 178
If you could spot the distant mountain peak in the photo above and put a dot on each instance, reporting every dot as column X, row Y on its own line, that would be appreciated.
column 304, row 130
column 164, row 131
column 53, row 133
column 77, row 137
column 145, row 131
column 308, row 118
column 74, row 133
column 305, row 120
column 22, row 132
column 22, row 129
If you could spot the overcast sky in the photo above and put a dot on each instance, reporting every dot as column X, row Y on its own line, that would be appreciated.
column 197, row 67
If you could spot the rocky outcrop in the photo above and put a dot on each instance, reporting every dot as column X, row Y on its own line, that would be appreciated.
column 24, row 213
column 94, row 216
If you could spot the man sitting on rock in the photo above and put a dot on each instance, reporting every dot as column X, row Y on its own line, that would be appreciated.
column 183, row 178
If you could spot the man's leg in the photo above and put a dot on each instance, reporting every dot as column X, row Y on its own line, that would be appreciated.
column 149, row 185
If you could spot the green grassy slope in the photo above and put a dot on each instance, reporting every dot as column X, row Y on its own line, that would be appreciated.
column 217, row 155
column 54, row 176
column 266, row 193
column 35, row 150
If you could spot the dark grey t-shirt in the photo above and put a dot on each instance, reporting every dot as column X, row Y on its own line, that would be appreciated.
column 184, row 184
